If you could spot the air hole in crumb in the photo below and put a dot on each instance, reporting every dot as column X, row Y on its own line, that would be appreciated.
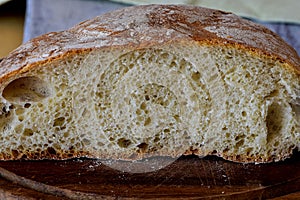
column 226, row 150
column 124, row 143
column 196, row 76
column 247, row 75
column 26, row 89
column 248, row 151
column 296, row 110
column 227, row 135
column 166, row 130
column 177, row 118
column 274, row 93
column 24, row 156
column 224, row 128
column 244, row 113
column 11, row 107
column 240, row 143
column 274, row 120
column 86, row 141
column 51, row 151
column 15, row 153
column 239, row 137
column 228, row 57
column 147, row 98
column 59, row 121
column 138, row 112
column 142, row 147
column 66, row 134
column 143, row 106
column 156, row 139
column 237, row 157
column 27, row 105
column 28, row 132
column 147, row 121
column 276, row 144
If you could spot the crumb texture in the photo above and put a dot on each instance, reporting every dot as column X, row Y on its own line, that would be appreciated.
column 163, row 101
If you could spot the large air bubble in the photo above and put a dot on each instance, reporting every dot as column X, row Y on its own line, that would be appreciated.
column 277, row 120
column 26, row 89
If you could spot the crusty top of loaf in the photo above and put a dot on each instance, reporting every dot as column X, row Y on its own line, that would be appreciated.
column 144, row 26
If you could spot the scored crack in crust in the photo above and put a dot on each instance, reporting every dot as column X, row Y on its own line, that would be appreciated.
column 152, row 80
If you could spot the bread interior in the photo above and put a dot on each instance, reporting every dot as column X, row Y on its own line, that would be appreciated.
column 159, row 101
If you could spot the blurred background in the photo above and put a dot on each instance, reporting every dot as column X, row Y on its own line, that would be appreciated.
column 21, row 20
column 12, row 17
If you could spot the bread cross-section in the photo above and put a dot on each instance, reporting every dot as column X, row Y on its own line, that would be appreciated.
column 152, row 80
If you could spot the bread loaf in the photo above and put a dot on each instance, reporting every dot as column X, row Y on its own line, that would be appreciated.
column 152, row 80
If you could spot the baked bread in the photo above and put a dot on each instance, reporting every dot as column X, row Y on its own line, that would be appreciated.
column 155, row 80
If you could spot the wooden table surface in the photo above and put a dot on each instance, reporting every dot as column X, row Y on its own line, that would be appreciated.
column 188, row 177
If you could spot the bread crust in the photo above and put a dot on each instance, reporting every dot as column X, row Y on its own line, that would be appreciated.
column 143, row 26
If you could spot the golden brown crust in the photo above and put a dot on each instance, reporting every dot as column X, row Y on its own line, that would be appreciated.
column 144, row 26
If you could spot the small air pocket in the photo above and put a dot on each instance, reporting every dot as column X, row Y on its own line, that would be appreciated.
column 26, row 89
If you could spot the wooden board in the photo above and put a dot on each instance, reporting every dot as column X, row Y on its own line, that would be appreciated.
column 188, row 177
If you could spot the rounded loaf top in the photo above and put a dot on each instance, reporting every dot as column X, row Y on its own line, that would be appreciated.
column 144, row 26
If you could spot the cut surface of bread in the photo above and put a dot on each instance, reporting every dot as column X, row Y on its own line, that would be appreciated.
column 148, row 81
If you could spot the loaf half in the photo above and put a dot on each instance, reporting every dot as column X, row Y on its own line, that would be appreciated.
column 152, row 80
